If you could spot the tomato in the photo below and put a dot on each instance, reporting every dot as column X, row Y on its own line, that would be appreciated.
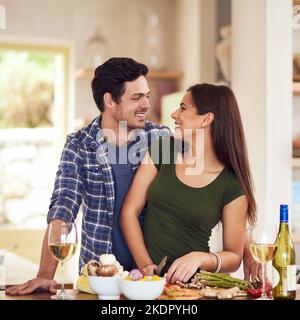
column 256, row 293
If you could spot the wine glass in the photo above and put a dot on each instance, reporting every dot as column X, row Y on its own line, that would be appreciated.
column 62, row 242
column 263, row 248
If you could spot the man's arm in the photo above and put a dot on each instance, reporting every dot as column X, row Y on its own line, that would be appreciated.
column 44, row 279
column 47, row 263
column 64, row 205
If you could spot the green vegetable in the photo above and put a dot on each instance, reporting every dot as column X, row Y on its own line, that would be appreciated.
column 221, row 280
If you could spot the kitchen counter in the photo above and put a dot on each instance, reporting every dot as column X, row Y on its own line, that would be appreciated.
column 46, row 296
column 85, row 296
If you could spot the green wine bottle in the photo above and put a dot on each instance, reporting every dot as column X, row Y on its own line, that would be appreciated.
column 284, row 261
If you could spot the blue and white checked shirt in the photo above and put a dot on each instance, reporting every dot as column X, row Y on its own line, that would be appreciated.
column 85, row 177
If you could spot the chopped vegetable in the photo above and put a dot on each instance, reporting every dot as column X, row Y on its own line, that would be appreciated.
column 256, row 293
column 174, row 290
column 221, row 280
column 135, row 274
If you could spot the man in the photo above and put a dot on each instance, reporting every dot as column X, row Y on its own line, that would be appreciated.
column 94, row 169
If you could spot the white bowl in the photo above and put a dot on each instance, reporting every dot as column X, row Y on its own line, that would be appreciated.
column 107, row 288
column 142, row 290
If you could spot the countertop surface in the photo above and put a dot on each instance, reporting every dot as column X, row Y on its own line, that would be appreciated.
column 47, row 296
column 83, row 296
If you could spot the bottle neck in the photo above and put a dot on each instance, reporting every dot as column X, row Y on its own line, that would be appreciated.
column 284, row 230
column 284, row 225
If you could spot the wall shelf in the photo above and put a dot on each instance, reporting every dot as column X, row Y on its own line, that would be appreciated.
column 84, row 73
column 296, row 88
column 164, row 75
column 296, row 162
column 152, row 75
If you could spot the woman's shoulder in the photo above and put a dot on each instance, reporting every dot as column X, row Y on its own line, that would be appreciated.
column 232, row 186
column 229, row 177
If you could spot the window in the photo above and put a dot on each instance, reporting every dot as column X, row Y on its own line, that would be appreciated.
column 33, row 124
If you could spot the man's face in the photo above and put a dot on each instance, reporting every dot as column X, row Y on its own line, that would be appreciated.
column 134, row 103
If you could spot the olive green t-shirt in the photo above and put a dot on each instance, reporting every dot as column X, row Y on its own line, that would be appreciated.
column 179, row 218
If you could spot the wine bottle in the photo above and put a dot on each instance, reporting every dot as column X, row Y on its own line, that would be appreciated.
column 284, row 266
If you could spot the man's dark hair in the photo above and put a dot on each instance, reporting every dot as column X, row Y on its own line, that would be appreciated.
column 111, row 76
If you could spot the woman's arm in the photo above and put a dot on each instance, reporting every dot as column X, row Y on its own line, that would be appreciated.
column 234, row 234
column 133, row 205
column 234, row 230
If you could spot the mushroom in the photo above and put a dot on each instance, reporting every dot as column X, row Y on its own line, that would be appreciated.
column 107, row 259
column 107, row 271
column 92, row 267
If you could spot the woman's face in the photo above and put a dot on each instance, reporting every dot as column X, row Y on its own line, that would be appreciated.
column 187, row 121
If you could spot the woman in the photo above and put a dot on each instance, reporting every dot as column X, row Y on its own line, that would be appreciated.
column 188, row 195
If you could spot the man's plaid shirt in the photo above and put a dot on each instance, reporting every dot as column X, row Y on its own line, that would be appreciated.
column 85, row 177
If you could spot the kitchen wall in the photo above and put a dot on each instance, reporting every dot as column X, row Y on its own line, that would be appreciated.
column 123, row 23
column 296, row 103
column 188, row 34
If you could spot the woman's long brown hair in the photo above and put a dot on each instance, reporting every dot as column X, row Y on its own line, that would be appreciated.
column 227, row 134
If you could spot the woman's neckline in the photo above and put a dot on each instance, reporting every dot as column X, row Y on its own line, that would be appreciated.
column 195, row 188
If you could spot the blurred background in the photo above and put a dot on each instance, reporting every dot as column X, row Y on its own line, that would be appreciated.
column 49, row 50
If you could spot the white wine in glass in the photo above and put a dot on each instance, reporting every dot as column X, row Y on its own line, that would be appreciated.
column 263, row 248
column 263, row 253
column 62, row 243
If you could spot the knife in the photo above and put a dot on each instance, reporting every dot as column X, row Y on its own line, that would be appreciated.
column 157, row 271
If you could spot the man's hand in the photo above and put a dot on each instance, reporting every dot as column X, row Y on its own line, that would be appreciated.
column 33, row 285
column 43, row 280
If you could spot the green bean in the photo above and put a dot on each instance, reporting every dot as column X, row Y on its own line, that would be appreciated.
column 221, row 280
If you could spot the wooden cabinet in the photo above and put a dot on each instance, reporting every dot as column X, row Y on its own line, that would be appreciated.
column 296, row 92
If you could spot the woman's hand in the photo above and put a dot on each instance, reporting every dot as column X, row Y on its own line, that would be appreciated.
column 252, row 269
column 185, row 267
column 149, row 270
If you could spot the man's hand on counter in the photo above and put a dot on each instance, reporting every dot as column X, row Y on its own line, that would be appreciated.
column 33, row 285
column 44, row 279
